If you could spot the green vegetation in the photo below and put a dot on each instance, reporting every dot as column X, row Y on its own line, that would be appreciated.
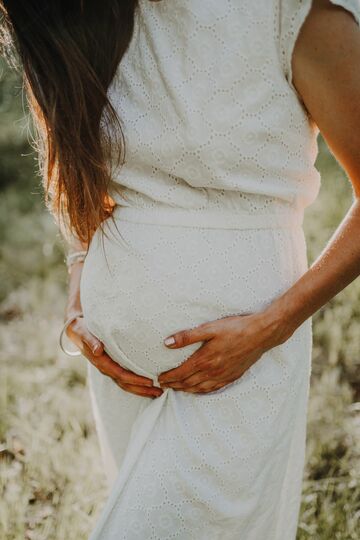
column 51, row 483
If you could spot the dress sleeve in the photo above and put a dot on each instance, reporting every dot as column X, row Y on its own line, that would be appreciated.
column 292, row 16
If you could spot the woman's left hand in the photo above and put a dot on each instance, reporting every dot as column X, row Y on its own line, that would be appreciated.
column 231, row 345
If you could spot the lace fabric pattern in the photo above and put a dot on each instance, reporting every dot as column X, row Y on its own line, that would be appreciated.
column 210, row 119
column 184, row 465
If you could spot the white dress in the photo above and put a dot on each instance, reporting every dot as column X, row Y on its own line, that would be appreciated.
column 219, row 169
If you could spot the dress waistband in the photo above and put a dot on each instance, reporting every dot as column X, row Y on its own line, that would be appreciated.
column 214, row 219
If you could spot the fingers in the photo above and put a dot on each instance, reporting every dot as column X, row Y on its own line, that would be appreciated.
column 196, row 362
column 93, row 349
column 191, row 335
column 187, row 368
column 204, row 387
column 186, row 383
column 94, row 344
column 112, row 369
column 127, row 380
column 77, row 331
column 141, row 390
column 131, row 378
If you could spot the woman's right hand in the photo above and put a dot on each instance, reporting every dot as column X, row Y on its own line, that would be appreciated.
column 93, row 350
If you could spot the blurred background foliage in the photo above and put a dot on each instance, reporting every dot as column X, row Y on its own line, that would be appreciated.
column 51, row 482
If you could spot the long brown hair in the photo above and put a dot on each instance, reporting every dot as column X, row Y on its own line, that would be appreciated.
column 69, row 51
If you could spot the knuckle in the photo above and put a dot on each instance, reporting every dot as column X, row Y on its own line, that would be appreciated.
column 86, row 348
column 127, row 379
column 95, row 362
column 218, row 360
column 120, row 377
column 206, row 330
column 207, row 385
column 206, row 365
column 100, row 367
column 206, row 327
column 197, row 361
column 215, row 371
column 76, row 326
column 120, row 372
column 183, row 337
column 90, row 341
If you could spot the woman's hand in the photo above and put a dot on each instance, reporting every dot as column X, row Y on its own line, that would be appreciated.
column 232, row 345
column 93, row 350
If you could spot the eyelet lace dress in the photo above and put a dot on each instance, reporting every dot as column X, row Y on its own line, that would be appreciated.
column 219, row 169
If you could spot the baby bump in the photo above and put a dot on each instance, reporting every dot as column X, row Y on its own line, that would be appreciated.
column 143, row 282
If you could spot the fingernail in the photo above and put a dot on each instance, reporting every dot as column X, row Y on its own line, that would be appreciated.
column 96, row 348
column 169, row 341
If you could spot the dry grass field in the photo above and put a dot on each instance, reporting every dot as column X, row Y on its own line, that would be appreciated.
column 51, row 483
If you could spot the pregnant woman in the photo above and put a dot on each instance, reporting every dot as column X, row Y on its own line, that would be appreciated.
column 178, row 140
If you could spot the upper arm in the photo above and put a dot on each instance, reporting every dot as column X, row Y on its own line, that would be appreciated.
column 326, row 73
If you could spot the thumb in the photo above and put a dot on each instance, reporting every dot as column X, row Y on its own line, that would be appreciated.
column 189, row 336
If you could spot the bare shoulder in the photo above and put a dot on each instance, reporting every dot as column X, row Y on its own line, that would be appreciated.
column 327, row 50
column 326, row 73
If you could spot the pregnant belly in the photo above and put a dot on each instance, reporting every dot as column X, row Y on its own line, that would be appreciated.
column 143, row 282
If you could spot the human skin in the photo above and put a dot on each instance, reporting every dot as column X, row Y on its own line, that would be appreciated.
column 325, row 70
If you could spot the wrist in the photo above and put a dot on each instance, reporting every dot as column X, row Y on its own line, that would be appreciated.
column 75, row 267
column 72, row 313
column 278, row 317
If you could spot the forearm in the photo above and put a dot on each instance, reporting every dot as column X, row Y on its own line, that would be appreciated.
column 73, row 304
column 75, row 251
column 335, row 268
